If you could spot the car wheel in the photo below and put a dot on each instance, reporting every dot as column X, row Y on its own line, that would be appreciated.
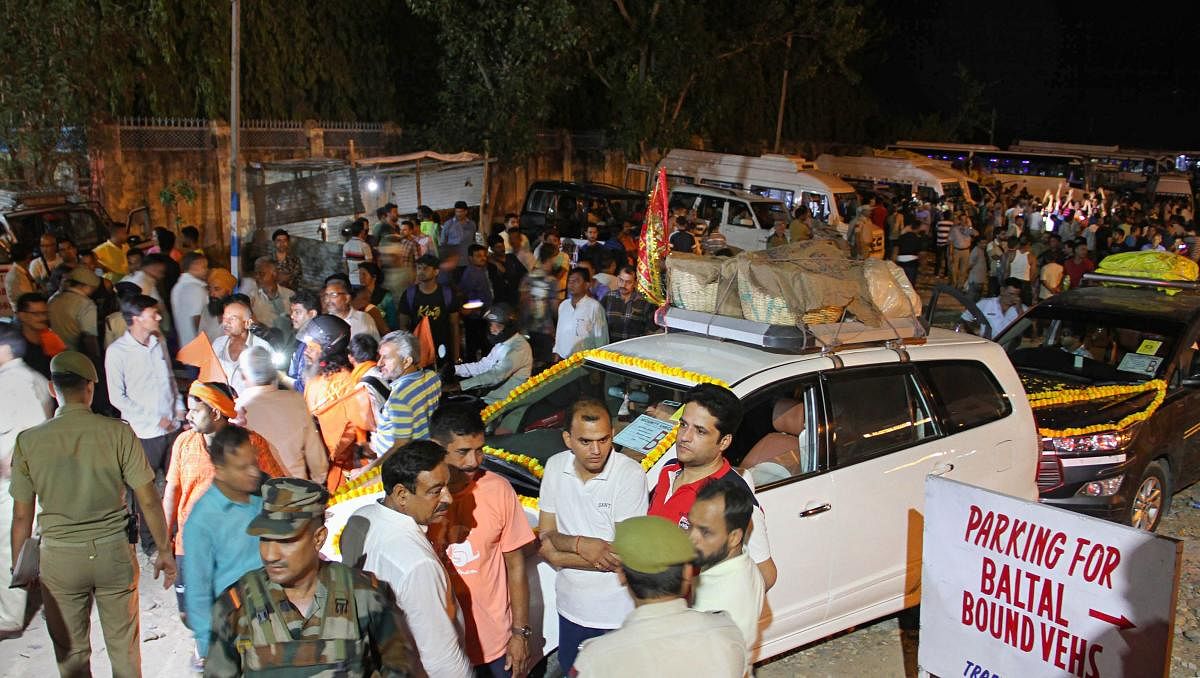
column 1152, row 498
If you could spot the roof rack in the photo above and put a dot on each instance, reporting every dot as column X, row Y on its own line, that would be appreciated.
column 827, row 337
column 1142, row 282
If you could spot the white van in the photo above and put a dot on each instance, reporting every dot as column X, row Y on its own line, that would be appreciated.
column 745, row 219
column 904, row 176
column 790, row 179
column 837, row 442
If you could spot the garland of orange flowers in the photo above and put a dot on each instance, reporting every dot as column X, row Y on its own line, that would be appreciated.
column 366, row 484
column 558, row 370
column 1068, row 396
column 535, row 467
column 654, row 366
column 561, row 368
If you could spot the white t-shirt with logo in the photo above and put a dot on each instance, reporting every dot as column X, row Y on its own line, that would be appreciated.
column 592, row 509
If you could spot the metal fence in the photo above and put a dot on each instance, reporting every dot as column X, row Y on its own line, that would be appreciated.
column 166, row 134
column 197, row 134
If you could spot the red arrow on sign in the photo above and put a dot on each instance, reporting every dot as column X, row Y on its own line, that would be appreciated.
column 1121, row 622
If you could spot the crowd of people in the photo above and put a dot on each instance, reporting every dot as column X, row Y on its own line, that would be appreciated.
column 219, row 467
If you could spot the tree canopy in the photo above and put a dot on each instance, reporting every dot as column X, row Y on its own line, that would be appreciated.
column 458, row 74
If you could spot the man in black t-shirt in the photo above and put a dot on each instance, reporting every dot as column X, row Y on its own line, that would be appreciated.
column 682, row 240
column 429, row 299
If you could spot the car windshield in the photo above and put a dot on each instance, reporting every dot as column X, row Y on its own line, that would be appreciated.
column 847, row 205
column 952, row 189
column 768, row 213
column 976, row 192
column 641, row 409
column 1083, row 346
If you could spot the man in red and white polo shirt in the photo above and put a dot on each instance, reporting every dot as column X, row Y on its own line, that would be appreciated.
column 711, row 414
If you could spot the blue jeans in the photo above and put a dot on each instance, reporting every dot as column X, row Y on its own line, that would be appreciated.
column 570, row 637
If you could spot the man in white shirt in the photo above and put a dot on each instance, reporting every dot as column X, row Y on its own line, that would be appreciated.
column 336, row 298
column 389, row 537
column 270, row 301
column 586, row 490
column 582, row 323
column 190, row 296
column 483, row 539
column 27, row 395
column 508, row 363
column 44, row 265
column 236, row 338
column 1000, row 311
column 729, row 580
column 280, row 417
column 141, row 385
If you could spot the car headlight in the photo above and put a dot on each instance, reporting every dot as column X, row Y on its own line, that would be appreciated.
column 1104, row 441
column 1101, row 488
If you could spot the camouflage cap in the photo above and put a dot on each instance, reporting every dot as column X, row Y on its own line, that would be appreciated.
column 289, row 505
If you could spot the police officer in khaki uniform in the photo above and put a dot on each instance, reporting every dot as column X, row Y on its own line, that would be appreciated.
column 76, row 467
column 299, row 615
column 662, row 637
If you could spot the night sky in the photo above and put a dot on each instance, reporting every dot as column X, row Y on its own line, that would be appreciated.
column 1121, row 73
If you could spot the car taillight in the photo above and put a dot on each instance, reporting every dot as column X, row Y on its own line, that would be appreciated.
column 1103, row 441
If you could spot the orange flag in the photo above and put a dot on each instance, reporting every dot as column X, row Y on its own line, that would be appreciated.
column 425, row 340
column 199, row 353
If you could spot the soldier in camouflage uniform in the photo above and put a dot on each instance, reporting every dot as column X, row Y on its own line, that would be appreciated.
column 300, row 616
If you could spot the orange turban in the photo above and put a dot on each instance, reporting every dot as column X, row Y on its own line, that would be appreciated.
column 214, row 398
column 221, row 277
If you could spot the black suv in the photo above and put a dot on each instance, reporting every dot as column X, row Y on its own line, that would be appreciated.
column 1132, row 346
column 85, row 223
column 567, row 204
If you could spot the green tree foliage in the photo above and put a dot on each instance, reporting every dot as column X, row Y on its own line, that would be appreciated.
column 52, row 78
column 503, row 64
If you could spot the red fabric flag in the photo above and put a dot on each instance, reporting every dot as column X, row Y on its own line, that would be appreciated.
column 652, row 248
column 424, row 337
column 199, row 353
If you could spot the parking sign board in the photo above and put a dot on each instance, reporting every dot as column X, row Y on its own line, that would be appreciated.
column 1014, row 588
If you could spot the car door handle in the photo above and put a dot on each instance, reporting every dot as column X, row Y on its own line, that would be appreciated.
column 941, row 469
column 816, row 510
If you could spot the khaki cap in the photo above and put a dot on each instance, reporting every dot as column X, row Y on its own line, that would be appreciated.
column 651, row 544
column 73, row 362
column 83, row 276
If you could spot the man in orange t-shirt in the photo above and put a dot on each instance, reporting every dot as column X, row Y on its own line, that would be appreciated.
column 481, row 541
column 210, row 407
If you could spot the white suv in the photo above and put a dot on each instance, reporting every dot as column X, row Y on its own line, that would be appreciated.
column 838, row 443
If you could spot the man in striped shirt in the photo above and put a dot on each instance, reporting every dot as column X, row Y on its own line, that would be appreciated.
column 414, row 393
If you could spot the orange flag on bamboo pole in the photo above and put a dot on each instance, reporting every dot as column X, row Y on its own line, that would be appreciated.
column 652, row 247
column 199, row 353
column 425, row 340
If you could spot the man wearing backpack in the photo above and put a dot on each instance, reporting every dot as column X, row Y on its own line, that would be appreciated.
column 429, row 299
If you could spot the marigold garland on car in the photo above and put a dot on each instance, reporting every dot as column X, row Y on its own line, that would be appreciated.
column 535, row 467
column 531, row 383
column 660, row 449
column 1068, row 396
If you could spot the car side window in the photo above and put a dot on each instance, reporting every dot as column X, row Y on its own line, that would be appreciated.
column 893, row 417
column 778, row 436
column 740, row 214
column 968, row 394
column 538, row 202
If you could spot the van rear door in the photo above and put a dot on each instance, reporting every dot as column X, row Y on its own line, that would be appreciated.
column 637, row 177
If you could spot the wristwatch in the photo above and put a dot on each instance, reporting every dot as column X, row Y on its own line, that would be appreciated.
column 524, row 632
